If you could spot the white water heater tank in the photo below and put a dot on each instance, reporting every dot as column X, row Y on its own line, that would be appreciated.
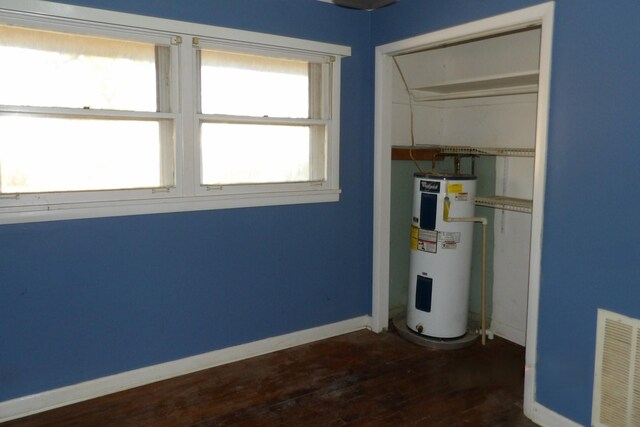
column 440, row 261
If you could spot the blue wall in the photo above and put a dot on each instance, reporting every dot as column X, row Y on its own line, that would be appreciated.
column 593, row 169
column 591, row 256
column 84, row 299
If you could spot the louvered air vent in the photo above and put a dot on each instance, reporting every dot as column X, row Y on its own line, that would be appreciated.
column 616, row 387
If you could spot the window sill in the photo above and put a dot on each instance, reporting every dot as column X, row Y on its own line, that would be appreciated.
column 70, row 211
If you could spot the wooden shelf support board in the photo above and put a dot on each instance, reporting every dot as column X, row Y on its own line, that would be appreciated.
column 415, row 153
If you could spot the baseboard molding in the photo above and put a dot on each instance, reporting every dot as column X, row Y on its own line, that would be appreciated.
column 27, row 405
column 546, row 417
column 508, row 332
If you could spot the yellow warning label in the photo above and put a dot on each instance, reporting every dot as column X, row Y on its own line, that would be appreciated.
column 454, row 188
column 414, row 238
column 447, row 206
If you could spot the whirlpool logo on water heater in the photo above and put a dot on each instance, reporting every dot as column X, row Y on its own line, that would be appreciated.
column 429, row 187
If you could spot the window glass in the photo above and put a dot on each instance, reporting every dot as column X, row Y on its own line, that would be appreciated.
column 51, row 69
column 252, row 85
column 43, row 155
column 245, row 153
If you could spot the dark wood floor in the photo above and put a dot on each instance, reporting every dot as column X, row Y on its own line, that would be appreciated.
column 360, row 378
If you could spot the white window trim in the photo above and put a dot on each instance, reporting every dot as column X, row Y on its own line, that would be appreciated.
column 187, row 195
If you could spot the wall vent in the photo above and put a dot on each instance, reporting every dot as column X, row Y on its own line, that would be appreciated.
column 616, row 386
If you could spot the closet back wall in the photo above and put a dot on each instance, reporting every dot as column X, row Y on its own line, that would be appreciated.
column 84, row 299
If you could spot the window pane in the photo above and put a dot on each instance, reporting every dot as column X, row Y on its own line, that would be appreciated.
column 259, row 86
column 50, row 154
column 242, row 154
column 50, row 69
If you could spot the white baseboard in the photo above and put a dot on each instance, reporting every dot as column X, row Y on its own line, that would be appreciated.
column 544, row 416
column 51, row 399
column 508, row 332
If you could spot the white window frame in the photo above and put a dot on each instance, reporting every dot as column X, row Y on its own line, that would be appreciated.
column 328, row 183
column 187, row 194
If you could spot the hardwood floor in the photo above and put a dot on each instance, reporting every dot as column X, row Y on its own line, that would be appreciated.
column 359, row 379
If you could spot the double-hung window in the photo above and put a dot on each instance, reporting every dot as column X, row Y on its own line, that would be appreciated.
column 263, row 118
column 114, row 114
column 83, row 113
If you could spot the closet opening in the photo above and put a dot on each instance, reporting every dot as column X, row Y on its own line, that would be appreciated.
column 471, row 99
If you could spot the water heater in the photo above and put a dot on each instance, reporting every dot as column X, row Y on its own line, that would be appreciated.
column 440, row 261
